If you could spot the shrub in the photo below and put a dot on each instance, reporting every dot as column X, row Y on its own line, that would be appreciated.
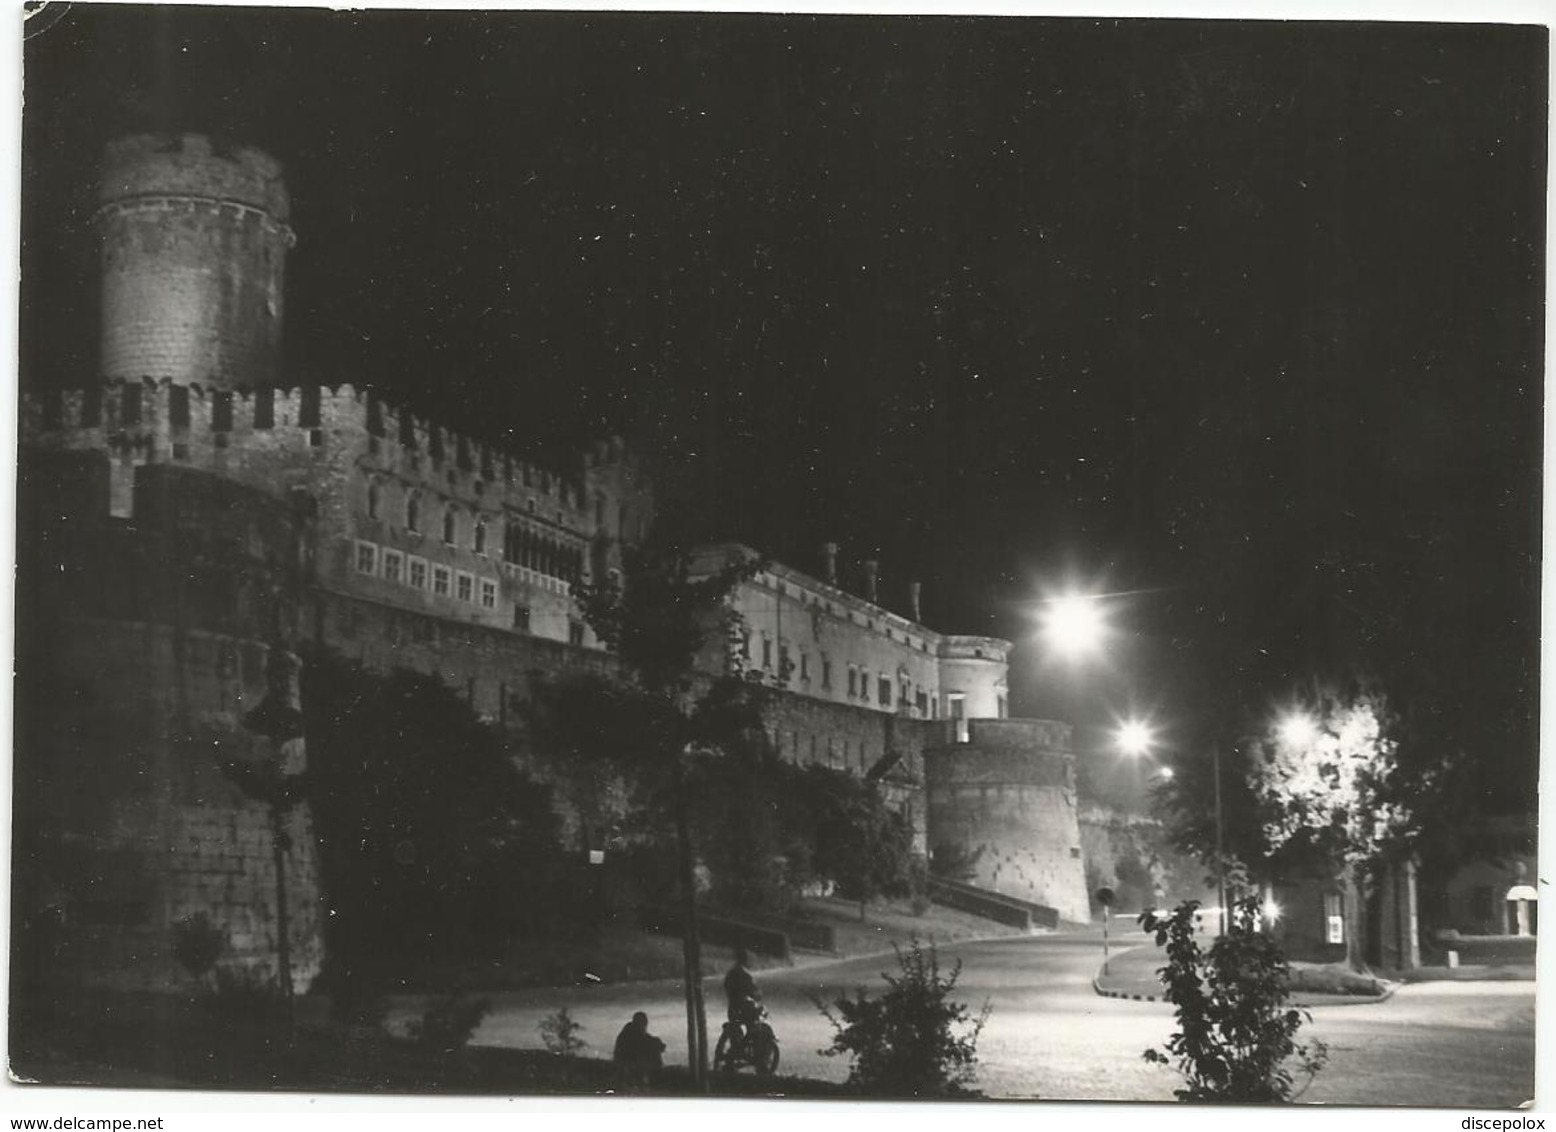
column 448, row 1024
column 244, row 994
column 198, row 944
column 913, row 1041
column 560, row 1033
column 1236, row 1037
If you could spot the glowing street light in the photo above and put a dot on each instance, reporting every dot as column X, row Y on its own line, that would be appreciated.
column 1297, row 729
column 1073, row 625
column 1135, row 738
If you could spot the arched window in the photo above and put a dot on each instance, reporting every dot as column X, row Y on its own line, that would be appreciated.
column 450, row 526
column 373, row 498
column 413, row 511
column 478, row 539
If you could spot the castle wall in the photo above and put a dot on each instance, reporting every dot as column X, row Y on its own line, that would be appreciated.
column 140, row 650
column 406, row 512
column 890, row 749
column 1005, row 802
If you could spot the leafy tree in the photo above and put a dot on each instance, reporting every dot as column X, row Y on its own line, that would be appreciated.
column 660, row 712
column 1335, row 788
column 1236, row 1037
column 912, row 1041
column 433, row 843
column 853, row 838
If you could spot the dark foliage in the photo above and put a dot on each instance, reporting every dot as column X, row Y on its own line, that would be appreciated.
column 912, row 1041
column 448, row 1024
column 198, row 944
column 433, row 843
column 1236, row 1037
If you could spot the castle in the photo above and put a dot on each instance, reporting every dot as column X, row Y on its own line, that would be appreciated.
column 189, row 519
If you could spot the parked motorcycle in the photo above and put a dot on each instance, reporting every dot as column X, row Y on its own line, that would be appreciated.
column 752, row 1043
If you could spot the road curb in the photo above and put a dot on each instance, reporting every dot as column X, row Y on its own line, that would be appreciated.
column 1096, row 985
column 1343, row 1000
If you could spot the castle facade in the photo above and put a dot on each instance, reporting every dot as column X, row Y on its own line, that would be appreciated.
column 189, row 519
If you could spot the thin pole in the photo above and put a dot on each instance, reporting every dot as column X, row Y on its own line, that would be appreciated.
column 1215, row 754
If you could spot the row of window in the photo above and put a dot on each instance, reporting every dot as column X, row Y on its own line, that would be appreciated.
column 412, row 570
column 858, row 677
column 522, row 546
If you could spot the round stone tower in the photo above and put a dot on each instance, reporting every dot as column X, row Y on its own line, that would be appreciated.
column 194, row 245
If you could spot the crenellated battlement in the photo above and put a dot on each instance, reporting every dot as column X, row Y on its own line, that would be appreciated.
column 152, row 421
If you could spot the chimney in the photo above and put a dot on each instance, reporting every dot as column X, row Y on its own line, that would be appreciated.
column 914, row 590
column 829, row 562
column 871, row 571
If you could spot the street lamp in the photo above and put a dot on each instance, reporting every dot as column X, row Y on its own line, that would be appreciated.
column 1073, row 625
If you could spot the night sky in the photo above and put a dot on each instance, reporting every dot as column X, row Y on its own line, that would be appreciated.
column 1241, row 320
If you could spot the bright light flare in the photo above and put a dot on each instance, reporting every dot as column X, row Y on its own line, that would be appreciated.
column 1272, row 911
column 1135, row 738
column 1073, row 625
column 1297, row 730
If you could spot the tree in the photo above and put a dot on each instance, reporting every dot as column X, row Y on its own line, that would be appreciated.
column 912, row 1041
column 1236, row 1037
column 661, row 711
column 1329, row 781
column 433, row 843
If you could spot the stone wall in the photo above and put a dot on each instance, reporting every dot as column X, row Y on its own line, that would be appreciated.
column 140, row 651
column 1004, row 804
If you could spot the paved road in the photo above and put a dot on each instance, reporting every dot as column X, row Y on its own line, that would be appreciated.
column 1051, row 1036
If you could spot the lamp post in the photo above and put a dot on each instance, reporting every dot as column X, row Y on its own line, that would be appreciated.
column 1215, row 757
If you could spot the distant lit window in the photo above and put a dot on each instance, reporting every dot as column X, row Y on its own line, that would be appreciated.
column 367, row 558
column 488, row 594
column 442, row 579
column 1334, row 918
column 394, row 565
column 464, row 586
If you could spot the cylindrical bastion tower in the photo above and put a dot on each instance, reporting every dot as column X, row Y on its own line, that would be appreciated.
column 194, row 245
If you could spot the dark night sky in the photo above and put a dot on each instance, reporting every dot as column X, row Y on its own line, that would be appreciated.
column 1243, row 318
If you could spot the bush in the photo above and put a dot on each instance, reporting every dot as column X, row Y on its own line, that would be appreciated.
column 912, row 1041
column 560, row 1033
column 198, row 944
column 1235, row 1037
column 448, row 1024
column 244, row 994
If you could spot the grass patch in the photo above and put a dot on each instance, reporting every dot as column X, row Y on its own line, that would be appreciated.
column 1333, row 978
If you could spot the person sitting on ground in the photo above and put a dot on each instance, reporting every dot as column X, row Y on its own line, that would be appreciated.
column 638, row 1054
